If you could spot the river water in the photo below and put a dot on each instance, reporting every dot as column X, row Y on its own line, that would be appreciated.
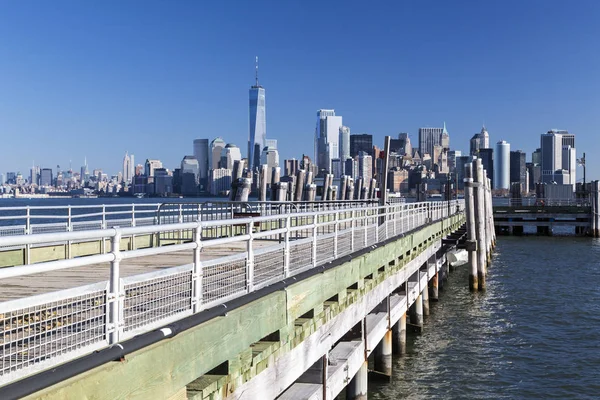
column 534, row 334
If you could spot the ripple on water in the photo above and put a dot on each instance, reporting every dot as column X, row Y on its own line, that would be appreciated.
column 533, row 334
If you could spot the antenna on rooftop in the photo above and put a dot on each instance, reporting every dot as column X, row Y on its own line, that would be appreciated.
column 256, row 68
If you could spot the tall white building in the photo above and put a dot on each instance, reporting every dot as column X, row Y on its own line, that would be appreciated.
column 344, row 143
column 215, row 151
column 553, row 144
column 151, row 165
column 128, row 168
column 327, row 135
column 220, row 181
column 257, row 137
column 365, row 166
column 502, row 165
column 229, row 155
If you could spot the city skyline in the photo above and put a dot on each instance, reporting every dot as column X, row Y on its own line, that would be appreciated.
column 101, row 108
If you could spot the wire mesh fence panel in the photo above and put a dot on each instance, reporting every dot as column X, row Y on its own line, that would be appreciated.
column 156, row 296
column 54, row 327
column 145, row 221
column 268, row 265
column 86, row 226
column 371, row 235
column 382, row 232
column 325, row 248
column 359, row 238
column 119, row 223
column 344, row 243
column 13, row 230
column 49, row 228
column 301, row 255
column 223, row 278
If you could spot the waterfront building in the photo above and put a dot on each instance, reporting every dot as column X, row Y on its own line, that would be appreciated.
column 257, row 136
column 327, row 135
column 151, row 166
column 229, row 155
column 361, row 142
column 220, row 181
column 189, row 175
column 163, row 181
column 34, row 175
column 201, row 154
column 518, row 169
column 344, row 143
column 552, row 144
column 214, row 155
column 11, row 178
column 502, row 165
column 46, row 177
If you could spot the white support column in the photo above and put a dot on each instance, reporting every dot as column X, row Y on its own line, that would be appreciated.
column 113, row 294
column 480, row 223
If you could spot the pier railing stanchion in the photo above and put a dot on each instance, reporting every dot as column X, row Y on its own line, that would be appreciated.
column 113, row 295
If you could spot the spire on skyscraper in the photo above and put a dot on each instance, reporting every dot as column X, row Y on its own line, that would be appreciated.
column 444, row 131
column 256, row 72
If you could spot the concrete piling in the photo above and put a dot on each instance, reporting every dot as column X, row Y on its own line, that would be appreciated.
column 357, row 388
column 383, row 355
column 416, row 312
column 399, row 336
column 425, row 299
column 479, row 191
column 434, row 292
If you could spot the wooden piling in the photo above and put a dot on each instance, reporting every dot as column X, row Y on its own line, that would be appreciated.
column 262, row 193
column 471, row 230
column 275, row 179
column 300, row 176
column 597, row 207
column 359, row 188
column 343, row 184
column 243, row 189
column 350, row 189
column 325, row 187
column 479, row 191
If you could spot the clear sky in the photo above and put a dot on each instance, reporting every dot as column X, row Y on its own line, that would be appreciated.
column 98, row 78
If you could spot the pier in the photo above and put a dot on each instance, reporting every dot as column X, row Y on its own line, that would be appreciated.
column 230, row 300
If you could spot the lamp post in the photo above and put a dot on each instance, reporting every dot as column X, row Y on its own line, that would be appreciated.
column 581, row 161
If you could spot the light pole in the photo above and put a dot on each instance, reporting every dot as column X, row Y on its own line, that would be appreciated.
column 581, row 161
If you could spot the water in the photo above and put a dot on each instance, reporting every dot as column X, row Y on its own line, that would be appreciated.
column 533, row 334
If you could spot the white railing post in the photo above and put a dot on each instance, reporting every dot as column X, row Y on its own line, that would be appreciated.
column 197, row 270
column 28, row 232
column 69, row 229
column 286, row 248
column 314, row 241
column 335, row 236
column 250, row 259
column 133, row 224
column 103, row 241
column 352, row 223
column 113, row 296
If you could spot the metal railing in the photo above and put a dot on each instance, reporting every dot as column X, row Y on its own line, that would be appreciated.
column 541, row 202
column 41, row 331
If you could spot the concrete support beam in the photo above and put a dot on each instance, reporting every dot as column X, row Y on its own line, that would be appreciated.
column 383, row 355
column 425, row 298
column 416, row 313
column 434, row 290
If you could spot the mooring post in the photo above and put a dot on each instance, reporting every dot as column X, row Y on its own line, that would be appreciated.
column 325, row 187
column 359, row 187
column 597, row 199
column 299, row 184
column 357, row 388
column 486, row 205
column 471, row 232
column 262, row 194
column 399, row 336
column 479, row 223
column 343, row 183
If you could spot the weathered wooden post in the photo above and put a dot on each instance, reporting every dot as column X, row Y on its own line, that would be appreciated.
column 333, row 196
column 593, row 211
column 275, row 179
column 478, row 190
column 350, row 189
column 425, row 298
column 597, row 206
column 486, row 208
column 262, row 193
column 282, row 188
column 471, row 230
column 434, row 295
column 399, row 336
column 325, row 187
column 359, row 188
column 491, row 213
column 299, row 185
column 343, row 184
column 243, row 189
column 238, row 169
column 372, row 188
column 311, row 190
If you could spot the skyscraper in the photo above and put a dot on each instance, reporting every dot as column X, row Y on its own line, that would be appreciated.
column 190, row 175
column 487, row 160
column 480, row 140
column 201, row 154
column 552, row 144
column 128, row 168
column 502, row 165
column 327, row 136
column 431, row 137
column 344, row 143
column 214, row 155
column 229, row 155
column 258, row 123
column 518, row 168
column 361, row 142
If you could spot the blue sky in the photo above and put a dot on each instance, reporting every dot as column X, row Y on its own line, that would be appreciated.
column 91, row 78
